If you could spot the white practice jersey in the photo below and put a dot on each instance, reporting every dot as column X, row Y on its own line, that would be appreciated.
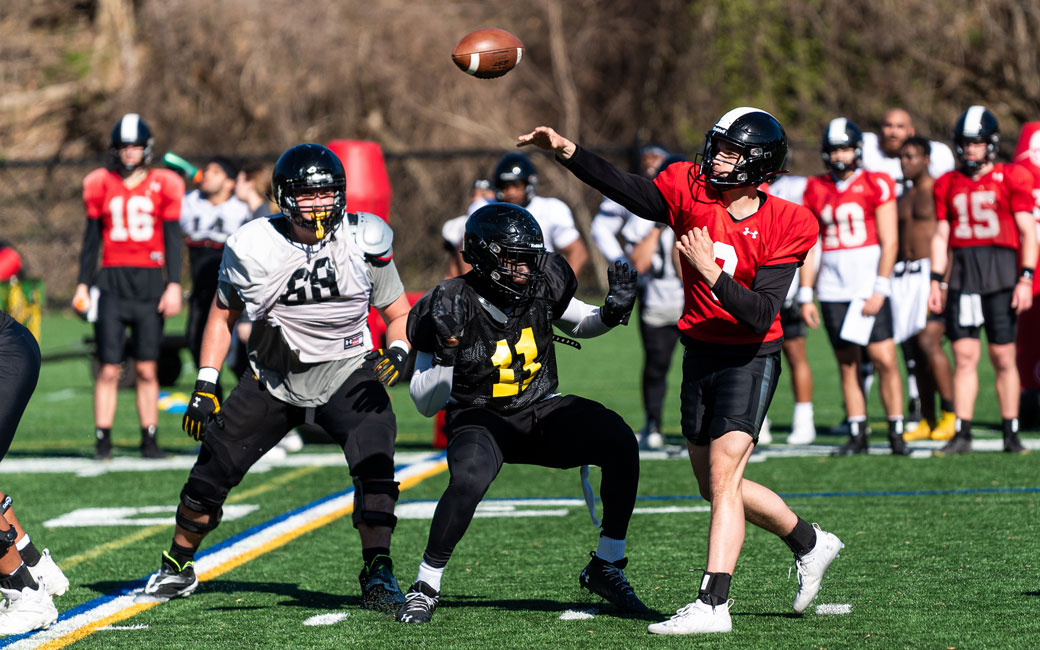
column 790, row 188
column 555, row 220
column 847, row 273
column 202, row 220
column 605, row 228
column 874, row 160
column 454, row 231
column 310, row 304
column 662, row 294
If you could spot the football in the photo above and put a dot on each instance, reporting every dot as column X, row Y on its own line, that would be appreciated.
column 488, row 53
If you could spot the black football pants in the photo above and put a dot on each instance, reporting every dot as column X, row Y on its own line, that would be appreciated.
column 561, row 432
column 19, row 372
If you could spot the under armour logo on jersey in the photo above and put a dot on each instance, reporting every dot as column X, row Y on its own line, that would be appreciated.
column 749, row 231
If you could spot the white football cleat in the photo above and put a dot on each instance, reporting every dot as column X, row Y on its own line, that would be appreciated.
column 765, row 435
column 696, row 618
column 654, row 440
column 813, row 565
column 27, row 610
column 803, row 432
column 291, row 442
column 49, row 574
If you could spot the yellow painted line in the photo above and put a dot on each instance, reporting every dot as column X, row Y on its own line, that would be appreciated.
column 88, row 628
column 145, row 533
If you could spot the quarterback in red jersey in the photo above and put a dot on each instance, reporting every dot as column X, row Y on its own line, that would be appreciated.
column 132, row 213
column 857, row 213
column 985, row 215
column 740, row 249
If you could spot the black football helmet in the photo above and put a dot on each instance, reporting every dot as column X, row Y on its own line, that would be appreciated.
column 515, row 167
column 976, row 125
column 841, row 133
column 130, row 130
column 308, row 168
column 759, row 139
column 500, row 239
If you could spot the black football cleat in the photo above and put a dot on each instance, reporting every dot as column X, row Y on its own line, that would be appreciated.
column 607, row 580
column 856, row 444
column 1012, row 445
column 379, row 589
column 899, row 447
column 957, row 445
column 172, row 580
column 419, row 603
column 103, row 448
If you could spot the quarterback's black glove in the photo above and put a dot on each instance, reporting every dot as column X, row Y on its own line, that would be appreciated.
column 448, row 321
column 621, row 295
column 202, row 406
column 387, row 363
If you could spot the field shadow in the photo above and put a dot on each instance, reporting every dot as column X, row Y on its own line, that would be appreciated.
column 296, row 596
column 543, row 605
column 768, row 614
column 1035, row 594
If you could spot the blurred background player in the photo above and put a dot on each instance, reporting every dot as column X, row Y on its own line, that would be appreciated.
column 803, row 426
column 209, row 215
column 133, row 214
column 881, row 154
column 253, row 187
column 28, row 578
column 503, row 407
column 919, row 330
column 650, row 249
column 454, row 229
column 311, row 361
column 985, row 215
column 858, row 229
column 515, row 182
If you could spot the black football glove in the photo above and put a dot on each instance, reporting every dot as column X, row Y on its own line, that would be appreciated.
column 448, row 321
column 202, row 407
column 387, row 364
column 621, row 295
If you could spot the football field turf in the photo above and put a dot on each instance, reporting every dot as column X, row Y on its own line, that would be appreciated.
column 939, row 552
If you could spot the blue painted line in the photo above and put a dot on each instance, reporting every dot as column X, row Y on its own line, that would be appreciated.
column 140, row 582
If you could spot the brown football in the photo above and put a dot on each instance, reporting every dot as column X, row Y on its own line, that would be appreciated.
column 488, row 53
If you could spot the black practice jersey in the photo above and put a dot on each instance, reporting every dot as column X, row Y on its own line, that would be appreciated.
column 506, row 360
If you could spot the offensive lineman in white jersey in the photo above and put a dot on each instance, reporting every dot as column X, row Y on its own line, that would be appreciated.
column 306, row 277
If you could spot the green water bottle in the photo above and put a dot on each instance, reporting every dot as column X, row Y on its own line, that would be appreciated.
column 186, row 169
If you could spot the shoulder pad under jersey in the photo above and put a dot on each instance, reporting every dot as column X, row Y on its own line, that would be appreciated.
column 372, row 235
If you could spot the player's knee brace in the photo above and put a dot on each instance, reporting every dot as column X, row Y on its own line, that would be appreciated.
column 367, row 486
column 7, row 539
column 201, row 504
column 5, row 504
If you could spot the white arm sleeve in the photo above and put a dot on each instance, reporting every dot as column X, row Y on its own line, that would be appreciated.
column 430, row 387
column 604, row 230
column 581, row 320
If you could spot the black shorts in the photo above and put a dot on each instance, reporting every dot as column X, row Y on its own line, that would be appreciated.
column 834, row 315
column 358, row 417
column 115, row 314
column 791, row 321
column 722, row 394
column 1001, row 321
column 19, row 372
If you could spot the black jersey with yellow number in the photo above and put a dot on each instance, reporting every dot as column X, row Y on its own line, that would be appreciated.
column 504, row 366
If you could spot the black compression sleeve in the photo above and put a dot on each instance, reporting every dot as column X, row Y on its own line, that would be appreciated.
column 172, row 243
column 637, row 193
column 88, row 254
column 758, row 306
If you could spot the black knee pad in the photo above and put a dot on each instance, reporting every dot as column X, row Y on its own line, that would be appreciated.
column 363, row 487
column 5, row 505
column 196, row 502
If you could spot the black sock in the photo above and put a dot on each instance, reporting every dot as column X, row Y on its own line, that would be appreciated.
column 802, row 539
column 946, row 405
column 857, row 427
column 1010, row 427
column 895, row 426
column 19, row 580
column 148, row 432
column 103, row 432
column 371, row 553
column 30, row 555
column 963, row 428
column 182, row 554
column 714, row 588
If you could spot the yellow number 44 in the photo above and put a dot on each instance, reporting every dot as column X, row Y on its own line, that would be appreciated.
column 509, row 383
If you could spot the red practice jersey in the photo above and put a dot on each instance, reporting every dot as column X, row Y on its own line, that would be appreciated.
column 982, row 212
column 780, row 232
column 848, row 217
column 132, row 219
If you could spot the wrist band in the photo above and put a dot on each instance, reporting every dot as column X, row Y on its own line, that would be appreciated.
column 937, row 277
column 1027, row 273
column 209, row 374
column 402, row 344
column 805, row 295
column 883, row 286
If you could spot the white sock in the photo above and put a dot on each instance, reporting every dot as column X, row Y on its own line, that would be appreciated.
column 609, row 549
column 430, row 575
column 23, row 542
column 803, row 410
